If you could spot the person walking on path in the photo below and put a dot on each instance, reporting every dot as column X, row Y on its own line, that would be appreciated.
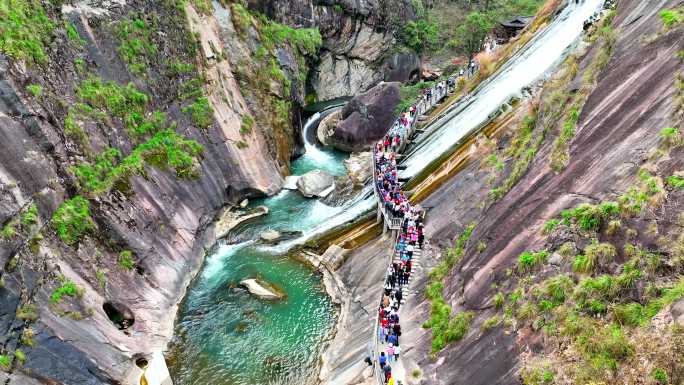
column 388, row 372
column 396, row 353
column 390, row 352
column 382, row 360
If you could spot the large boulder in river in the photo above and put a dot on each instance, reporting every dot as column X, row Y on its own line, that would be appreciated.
column 262, row 289
column 366, row 118
column 315, row 183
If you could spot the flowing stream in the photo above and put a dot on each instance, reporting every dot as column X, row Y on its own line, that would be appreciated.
column 225, row 336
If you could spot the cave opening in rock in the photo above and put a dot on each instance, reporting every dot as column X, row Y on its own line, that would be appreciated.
column 119, row 314
column 141, row 362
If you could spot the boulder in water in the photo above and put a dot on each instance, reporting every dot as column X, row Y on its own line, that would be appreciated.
column 365, row 119
column 231, row 219
column 262, row 289
column 270, row 236
column 316, row 183
column 273, row 237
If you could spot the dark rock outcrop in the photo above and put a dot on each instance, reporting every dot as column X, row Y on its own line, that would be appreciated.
column 366, row 118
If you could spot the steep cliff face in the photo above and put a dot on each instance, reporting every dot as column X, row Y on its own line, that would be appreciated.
column 123, row 131
column 603, row 143
column 359, row 45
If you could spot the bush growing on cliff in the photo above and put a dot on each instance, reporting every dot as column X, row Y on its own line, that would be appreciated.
column 72, row 220
column 528, row 260
column 307, row 40
column 201, row 112
column 68, row 288
column 672, row 17
column 5, row 362
column 25, row 30
column 126, row 260
column 112, row 97
column 27, row 312
column 9, row 230
column 247, row 124
column 135, row 44
column 165, row 150
column 676, row 182
column 30, row 216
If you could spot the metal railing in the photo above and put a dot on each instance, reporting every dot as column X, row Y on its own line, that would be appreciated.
column 393, row 222
column 423, row 105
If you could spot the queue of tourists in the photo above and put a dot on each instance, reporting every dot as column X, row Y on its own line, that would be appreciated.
column 410, row 236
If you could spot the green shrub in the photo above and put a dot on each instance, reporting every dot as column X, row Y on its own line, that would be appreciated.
column 72, row 220
column 613, row 227
column 68, row 288
column 660, row 376
column 201, row 112
column 35, row 89
column 671, row 17
column 20, row 356
column 5, row 362
column 670, row 136
column 241, row 18
column 604, row 347
column 560, row 156
column 165, row 149
column 140, row 126
column 528, row 260
column 599, row 253
column 307, row 40
column 126, row 261
column 72, row 33
column 247, row 124
column 27, row 337
column 582, row 265
column 523, row 149
column 30, row 216
column 135, row 44
column 676, row 182
column 631, row 314
column 551, row 225
column 112, row 97
column 491, row 322
column 445, row 330
column 567, row 249
column 588, row 216
column 25, row 30
column 101, row 279
column 27, row 312
column 9, row 230
column 499, row 300
column 203, row 7
column 410, row 94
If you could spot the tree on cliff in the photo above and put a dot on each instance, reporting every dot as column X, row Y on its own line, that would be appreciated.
column 420, row 36
column 471, row 34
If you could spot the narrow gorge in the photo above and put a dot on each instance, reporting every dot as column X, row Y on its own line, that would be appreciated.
column 187, row 191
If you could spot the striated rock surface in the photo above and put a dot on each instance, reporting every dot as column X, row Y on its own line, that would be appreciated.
column 146, row 227
column 365, row 119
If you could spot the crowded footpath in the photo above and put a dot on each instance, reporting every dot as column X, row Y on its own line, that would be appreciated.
column 410, row 234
